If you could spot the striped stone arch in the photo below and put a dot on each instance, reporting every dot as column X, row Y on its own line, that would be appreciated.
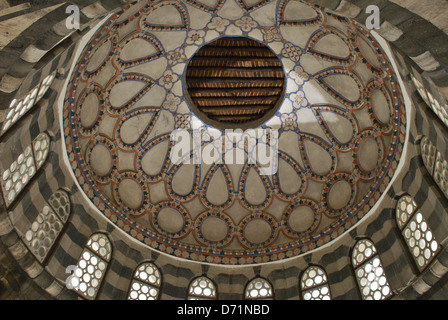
column 146, row 282
column 259, row 289
column 369, row 271
column 202, row 288
column 314, row 284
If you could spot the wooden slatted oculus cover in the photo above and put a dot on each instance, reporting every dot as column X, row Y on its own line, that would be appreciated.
column 235, row 82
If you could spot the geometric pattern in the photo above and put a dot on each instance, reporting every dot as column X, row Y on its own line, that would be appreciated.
column 20, row 172
column 418, row 236
column 435, row 163
column 19, row 107
column 202, row 288
column 146, row 283
column 259, row 289
column 439, row 108
column 369, row 271
column 91, row 267
column 314, row 284
column 338, row 144
column 48, row 224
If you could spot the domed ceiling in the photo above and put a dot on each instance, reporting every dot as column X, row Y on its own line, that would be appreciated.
column 341, row 124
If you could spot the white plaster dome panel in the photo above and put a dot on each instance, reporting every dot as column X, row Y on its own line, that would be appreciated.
column 341, row 125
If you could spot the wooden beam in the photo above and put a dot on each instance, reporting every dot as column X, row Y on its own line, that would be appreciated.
column 237, row 92
column 232, row 83
column 235, row 109
column 240, row 62
column 217, row 72
column 220, row 102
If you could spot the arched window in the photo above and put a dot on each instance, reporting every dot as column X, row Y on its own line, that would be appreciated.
column 45, row 85
column 369, row 271
column 314, row 284
column 45, row 229
column 259, row 289
column 202, row 288
column 92, row 265
column 441, row 110
column 435, row 163
column 19, row 107
column 16, row 177
column 146, row 283
column 416, row 232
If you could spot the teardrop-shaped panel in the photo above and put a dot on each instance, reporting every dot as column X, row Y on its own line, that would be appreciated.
column 99, row 57
column 166, row 16
column 183, row 179
column 368, row 152
column 155, row 158
column 138, row 49
column 217, row 189
column 344, row 86
column 235, row 172
column 308, row 123
column 339, row 126
column 134, row 128
column 319, row 159
column 333, row 46
column 153, row 97
column 123, row 92
column 369, row 53
column 296, row 11
column 254, row 188
column 289, row 141
column 89, row 110
column 380, row 106
column 164, row 124
column 288, row 178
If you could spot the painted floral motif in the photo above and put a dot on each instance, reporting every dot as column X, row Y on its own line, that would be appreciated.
column 218, row 24
column 176, row 56
column 171, row 102
column 183, row 121
column 196, row 37
column 289, row 121
column 298, row 99
column 247, row 144
column 271, row 34
column 246, row 24
column 292, row 52
column 168, row 79
column 299, row 75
